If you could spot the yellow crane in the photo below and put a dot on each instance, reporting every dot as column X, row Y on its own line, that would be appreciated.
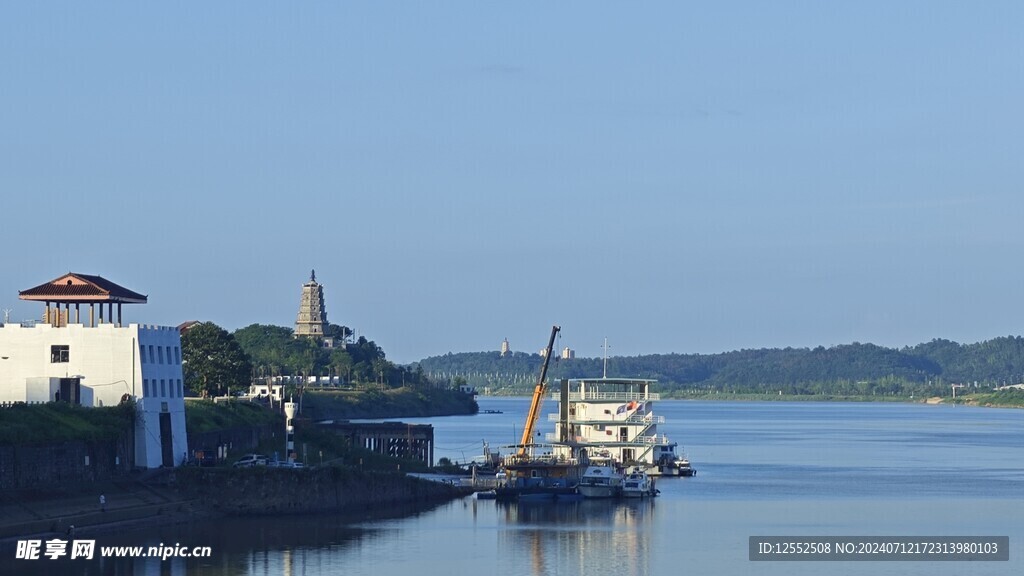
column 538, row 397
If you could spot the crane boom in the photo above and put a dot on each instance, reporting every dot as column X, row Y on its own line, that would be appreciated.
column 538, row 396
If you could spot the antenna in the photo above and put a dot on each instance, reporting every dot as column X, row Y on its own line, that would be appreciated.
column 604, row 374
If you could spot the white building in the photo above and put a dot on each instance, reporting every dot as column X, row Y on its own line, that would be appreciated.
column 99, row 364
column 613, row 417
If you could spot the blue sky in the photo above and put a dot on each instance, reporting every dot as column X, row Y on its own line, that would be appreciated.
column 679, row 177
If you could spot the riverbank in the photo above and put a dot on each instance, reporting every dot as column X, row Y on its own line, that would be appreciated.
column 186, row 494
column 398, row 403
column 1002, row 399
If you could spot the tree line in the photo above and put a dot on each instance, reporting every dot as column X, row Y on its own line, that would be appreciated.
column 217, row 362
column 853, row 369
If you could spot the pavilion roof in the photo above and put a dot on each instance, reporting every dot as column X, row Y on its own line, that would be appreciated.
column 82, row 288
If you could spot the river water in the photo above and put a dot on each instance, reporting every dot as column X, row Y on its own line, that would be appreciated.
column 764, row 469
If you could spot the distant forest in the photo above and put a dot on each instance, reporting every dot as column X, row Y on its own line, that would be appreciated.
column 928, row 369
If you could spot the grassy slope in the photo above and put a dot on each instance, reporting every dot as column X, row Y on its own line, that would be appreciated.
column 206, row 416
column 399, row 403
column 60, row 422
column 999, row 399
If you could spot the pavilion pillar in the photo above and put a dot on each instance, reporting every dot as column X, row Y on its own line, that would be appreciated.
column 101, row 312
column 46, row 314
column 92, row 315
column 118, row 314
column 78, row 312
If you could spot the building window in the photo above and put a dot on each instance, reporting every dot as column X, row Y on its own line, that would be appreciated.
column 181, row 390
column 169, row 361
column 58, row 354
column 163, row 387
column 160, row 353
column 145, row 385
column 152, row 355
column 142, row 353
column 177, row 355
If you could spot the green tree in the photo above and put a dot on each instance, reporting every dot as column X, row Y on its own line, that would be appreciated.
column 213, row 361
column 341, row 361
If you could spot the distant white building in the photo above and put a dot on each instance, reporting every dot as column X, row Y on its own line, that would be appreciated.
column 268, row 390
column 99, row 363
column 568, row 353
column 505, row 348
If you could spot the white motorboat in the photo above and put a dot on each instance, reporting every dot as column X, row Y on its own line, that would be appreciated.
column 601, row 480
column 637, row 484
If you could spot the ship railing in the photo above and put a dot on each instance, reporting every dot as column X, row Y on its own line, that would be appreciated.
column 544, row 459
column 481, row 482
column 606, row 419
column 655, row 440
column 620, row 396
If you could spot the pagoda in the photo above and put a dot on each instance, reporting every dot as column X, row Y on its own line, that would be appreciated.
column 312, row 319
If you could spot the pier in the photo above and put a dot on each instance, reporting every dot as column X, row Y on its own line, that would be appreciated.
column 395, row 439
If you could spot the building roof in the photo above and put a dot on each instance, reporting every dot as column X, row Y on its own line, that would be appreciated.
column 82, row 288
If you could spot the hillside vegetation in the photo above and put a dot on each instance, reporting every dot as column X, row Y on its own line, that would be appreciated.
column 850, row 370
column 398, row 403
column 36, row 424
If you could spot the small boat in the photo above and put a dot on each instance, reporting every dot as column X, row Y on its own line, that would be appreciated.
column 601, row 480
column 638, row 484
column 526, row 478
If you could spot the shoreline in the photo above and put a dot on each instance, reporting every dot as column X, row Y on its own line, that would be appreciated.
column 190, row 494
column 732, row 397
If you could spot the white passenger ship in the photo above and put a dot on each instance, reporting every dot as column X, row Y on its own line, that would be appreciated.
column 614, row 417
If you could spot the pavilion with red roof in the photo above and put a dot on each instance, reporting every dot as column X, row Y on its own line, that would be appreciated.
column 78, row 289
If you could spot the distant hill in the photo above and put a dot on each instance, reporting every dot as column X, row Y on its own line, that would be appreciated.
column 849, row 369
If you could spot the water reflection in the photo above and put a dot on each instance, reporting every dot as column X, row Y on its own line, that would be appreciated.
column 589, row 537
column 265, row 546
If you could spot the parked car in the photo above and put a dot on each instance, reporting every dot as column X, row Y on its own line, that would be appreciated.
column 250, row 460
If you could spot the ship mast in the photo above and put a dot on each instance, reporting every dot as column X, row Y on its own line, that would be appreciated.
column 604, row 373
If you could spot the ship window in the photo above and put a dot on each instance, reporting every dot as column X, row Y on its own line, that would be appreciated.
column 59, row 354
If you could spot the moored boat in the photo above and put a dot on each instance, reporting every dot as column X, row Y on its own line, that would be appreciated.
column 614, row 417
column 601, row 480
column 637, row 484
column 542, row 477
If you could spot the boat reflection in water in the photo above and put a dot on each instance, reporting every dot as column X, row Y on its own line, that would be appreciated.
column 585, row 537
